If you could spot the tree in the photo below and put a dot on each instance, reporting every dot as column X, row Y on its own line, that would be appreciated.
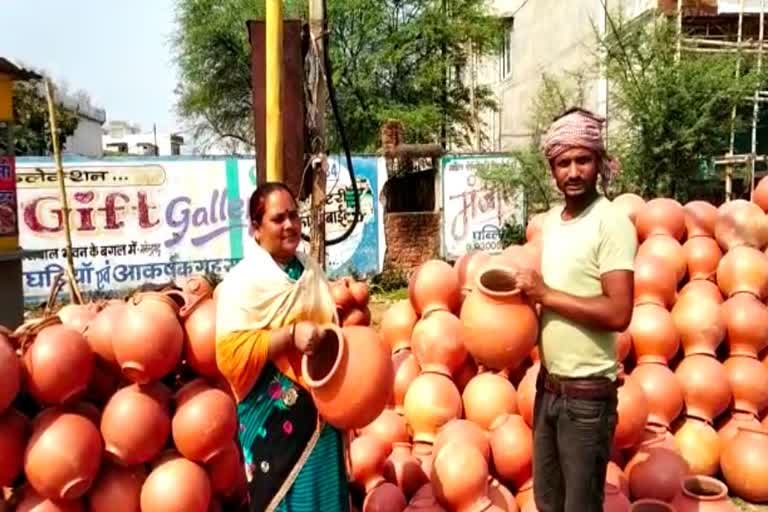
column 32, row 132
column 391, row 59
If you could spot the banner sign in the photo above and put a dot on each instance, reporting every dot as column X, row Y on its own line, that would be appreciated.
column 9, row 228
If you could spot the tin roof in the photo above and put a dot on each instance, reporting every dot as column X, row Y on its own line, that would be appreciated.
column 17, row 73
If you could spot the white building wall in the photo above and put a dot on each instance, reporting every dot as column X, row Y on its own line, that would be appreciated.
column 86, row 140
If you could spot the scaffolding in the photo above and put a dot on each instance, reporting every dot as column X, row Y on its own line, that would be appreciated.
column 715, row 39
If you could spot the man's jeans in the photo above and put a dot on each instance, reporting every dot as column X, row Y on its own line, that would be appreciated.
column 571, row 448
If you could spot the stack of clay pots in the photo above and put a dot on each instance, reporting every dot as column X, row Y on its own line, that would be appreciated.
column 351, row 299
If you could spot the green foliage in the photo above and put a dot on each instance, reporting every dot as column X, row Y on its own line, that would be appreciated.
column 512, row 232
column 32, row 132
column 388, row 280
column 672, row 114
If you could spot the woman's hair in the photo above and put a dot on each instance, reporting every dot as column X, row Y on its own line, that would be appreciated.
column 258, row 201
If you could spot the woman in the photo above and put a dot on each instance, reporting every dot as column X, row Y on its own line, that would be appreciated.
column 269, row 309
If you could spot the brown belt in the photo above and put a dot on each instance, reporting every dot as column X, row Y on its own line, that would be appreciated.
column 589, row 388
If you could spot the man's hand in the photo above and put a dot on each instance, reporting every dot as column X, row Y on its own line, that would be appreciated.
column 307, row 337
column 531, row 283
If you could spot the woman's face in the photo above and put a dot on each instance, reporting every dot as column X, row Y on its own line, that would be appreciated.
column 280, row 230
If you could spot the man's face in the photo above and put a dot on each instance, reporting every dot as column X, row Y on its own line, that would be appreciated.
column 575, row 172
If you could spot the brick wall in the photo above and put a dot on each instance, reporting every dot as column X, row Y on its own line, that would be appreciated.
column 412, row 238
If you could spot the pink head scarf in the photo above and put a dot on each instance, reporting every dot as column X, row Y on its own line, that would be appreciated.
column 584, row 129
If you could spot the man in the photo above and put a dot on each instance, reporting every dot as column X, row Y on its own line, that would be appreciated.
column 585, row 291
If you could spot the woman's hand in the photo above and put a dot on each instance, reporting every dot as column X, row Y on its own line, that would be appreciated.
column 306, row 337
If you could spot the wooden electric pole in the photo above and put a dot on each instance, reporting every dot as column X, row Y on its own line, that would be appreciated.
column 316, row 117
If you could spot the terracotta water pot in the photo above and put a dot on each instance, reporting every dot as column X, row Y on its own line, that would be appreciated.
column 31, row 501
column 699, row 445
column 749, row 383
column 424, row 501
column 466, row 373
column 14, row 432
column 703, row 288
column 706, row 389
column 467, row 267
column 654, row 337
column 148, row 338
column 389, row 426
column 501, row 497
column 651, row 505
column 744, row 463
column 117, row 490
column 368, row 455
column 632, row 412
column 760, row 194
column 200, row 339
column 350, row 376
column 740, row 222
column 460, row 477
column 743, row 269
column 655, row 471
column 464, row 431
column 432, row 401
column 501, row 326
column 662, row 391
column 403, row 469
column 526, row 393
column 101, row 329
column 700, row 323
column 10, row 373
column 78, row 316
column 512, row 449
column 703, row 494
column 746, row 324
column 615, row 477
column 525, row 494
column 227, row 472
column 614, row 500
column 629, row 204
column 63, row 455
column 176, row 485
column 360, row 292
column 434, row 285
column 667, row 249
column 486, row 397
column 357, row 316
column 700, row 219
column 437, row 342
column 342, row 295
column 655, row 281
column 397, row 324
column 661, row 216
column 737, row 419
column 405, row 368
column 702, row 256
column 385, row 497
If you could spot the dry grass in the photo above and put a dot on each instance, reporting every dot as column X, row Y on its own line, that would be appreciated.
column 748, row 507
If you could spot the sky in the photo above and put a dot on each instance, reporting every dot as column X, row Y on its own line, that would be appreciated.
column 116, row 50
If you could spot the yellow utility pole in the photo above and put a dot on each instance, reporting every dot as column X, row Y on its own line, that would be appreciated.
column 274, row 58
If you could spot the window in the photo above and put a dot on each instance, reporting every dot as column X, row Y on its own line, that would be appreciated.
column 505, row 56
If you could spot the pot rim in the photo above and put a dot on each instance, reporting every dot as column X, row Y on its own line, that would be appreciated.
column 316, row 383
column 704, row 482
column 661, row 506
column 503, row 271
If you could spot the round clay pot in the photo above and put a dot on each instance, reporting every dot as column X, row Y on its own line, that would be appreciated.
column 389, row 426
column 460, row 477
column 385, row 497
column 662, row 391
column 342, row 296
column 350, row 377
column 227, row 472
column 760, row 194
column 464, row 431
column 488, row 396
column 432, row 401
column 176, row 485
column 667, row 249
column 117, row 490
column 702, row 287
column 746, row 324
column 31, row 501
column 10, row 374
column 405, row 368
column 614, row 500
column 14, row 432
column 650, row 505
column 740, row 222
column 367, row 455
column 434, row 285
column 500, row 496
column 360, row 293
column 737, row 419
column 654, row 337
column 655, row 281
column 749, row 383
column 702, row 256
column 705, row 385
column 632, row 412
column 200, row 339
column 467, row 267
column 78, row 316
column 661, row 216
column 699, row 445
column 700, row 219
column 703, row 494
column 501, row 327
column 744, row 463
column 404, row 470
column 525, row 494
column 438, row 342
column 655, row 471
column 397, row 324
column 526, row 393
column 629, row 204
column 615, row 477
column 700, row 323
column 466, row 373
column 512, row 449
column 424, row 501
column 743, row 269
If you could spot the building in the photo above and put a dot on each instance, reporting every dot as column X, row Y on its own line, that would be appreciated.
column 121, row 137
column 87, row 138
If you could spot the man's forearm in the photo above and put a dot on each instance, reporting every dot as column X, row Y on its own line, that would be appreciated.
column 598, row 312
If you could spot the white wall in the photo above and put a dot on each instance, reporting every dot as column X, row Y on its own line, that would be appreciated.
column 86, row 140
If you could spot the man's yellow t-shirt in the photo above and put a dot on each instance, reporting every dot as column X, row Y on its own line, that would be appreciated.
column 575, row 253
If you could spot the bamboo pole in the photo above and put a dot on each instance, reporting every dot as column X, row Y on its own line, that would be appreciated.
column 732, row 142
column 317, row 30
column 70, row 268
column 756, row 104
column 274, row 58
column 679, row 29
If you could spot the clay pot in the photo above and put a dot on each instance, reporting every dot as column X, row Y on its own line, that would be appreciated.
column 500, row 325
column 10, row 374
column 397, row 324
column 650, row 505
column 699, row 445
column 176, row 485
column 460, row 477
column 501, row 497
column 200, row 339
column 423, row 451
column 629, row 204
column 526, row 393
column 14, row 432
column 654, row 337
column 744, row 463
column 661, row 216
column 512, row 449
column 700, row 219
column 360, row 293
column 746, row 324
column 432, row 401
column 655, row 281
column 703, row 494
column 135, row 425
column 700, row 323
column 356, row 316
column 614, row 500
column 63, row 455
column 58, row 365
column 368, row 455
column 434, row 285
column 760, row 194
column 488, row 396
column 78, row 316
column 404, row 470
column 467, row 267
column 31, row 501
column 342, row 295
column 749, row 383
column 438, row 342
column 737, row 419
column 117, row 490
column 662, row 391
column 667, row 249
column 702, row 288
column 350, row 376
column 706, row 389
column 101, row 329
column 743, row 269
column 632, row 412
column 702, row 256
column 655, row 471
column 525, row 493
column 466, row 373
column 464, row 431
column 615, row 477
column 389, row 427
column 405, row 368
column 227, row 472
column 385, row 497
column 740, row 222
column 204, row 423
column 424, row 501
column 148, row 338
